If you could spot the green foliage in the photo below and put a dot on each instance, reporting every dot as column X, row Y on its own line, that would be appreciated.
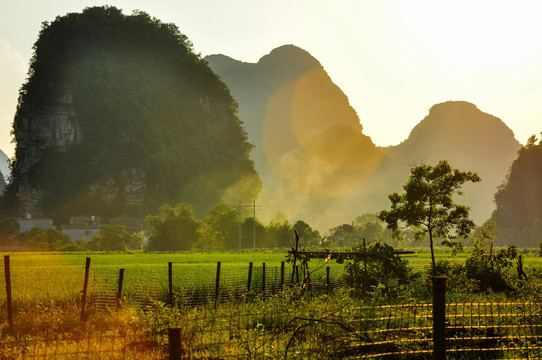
column 310, row 236
column 142, row 101
column 247, row 235
column 9, row 228
column 219, row 229
column 279, row 232
column 115, row 238
column 343, row 235
column 44, row 240
column 175, row 229
column 376, row 266
column 489, row 267
column 519, row 210
column 427, row 205
column 370, row 227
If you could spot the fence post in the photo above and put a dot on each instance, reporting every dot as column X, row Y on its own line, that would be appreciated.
column 249, row 283
column 439, row 317
column 263, row 278
column 85, row 289
column 170, row 282
column 119, row 290
column 176, row 351
column 7, row 272
column 281, row 276
column 217, row 283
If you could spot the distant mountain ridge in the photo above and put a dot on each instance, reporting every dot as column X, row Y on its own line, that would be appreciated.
column 307, row 138
column 317, row 165
column 470, row 140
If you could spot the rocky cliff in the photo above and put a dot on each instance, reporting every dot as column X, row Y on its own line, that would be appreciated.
column 119, row 116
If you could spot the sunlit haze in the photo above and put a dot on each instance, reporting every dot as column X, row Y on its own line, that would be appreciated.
column 393, row 59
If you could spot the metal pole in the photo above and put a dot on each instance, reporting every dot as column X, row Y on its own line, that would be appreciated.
column 239, row 224
column 254, row 224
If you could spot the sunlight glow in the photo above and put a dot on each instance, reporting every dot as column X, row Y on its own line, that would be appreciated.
column 479, row 34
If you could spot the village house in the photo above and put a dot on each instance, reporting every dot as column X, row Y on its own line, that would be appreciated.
column 82, row 227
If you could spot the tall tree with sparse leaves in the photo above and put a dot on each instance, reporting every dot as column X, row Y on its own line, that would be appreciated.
column 428, row 206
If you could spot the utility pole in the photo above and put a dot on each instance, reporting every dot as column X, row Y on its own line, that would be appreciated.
column 254, row 206
column 239, row 224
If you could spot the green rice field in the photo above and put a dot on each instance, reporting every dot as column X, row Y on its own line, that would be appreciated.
column 58, row 277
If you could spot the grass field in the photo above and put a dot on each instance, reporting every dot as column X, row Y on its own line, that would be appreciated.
column 58, row 277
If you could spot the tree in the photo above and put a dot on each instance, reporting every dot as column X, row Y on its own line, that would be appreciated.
column 344, row 235
column 219, row 229
column 175, row 229
column 379, row 265
column 44, row 240
column 279, row 232
column 370, row 227
column 114, row 238
column 310, row 236
column 489, row 267
column 428, row 206
column 247, row 231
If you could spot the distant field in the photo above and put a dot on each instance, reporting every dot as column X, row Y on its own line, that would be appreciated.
column 58, row 277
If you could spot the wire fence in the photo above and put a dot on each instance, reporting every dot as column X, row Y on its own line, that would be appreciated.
column 474, row 331
column 48, row 342
column 508, row 330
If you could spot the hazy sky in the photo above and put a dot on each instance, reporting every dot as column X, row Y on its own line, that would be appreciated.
column 393, row 59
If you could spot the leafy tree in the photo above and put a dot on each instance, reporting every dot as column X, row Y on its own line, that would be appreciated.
column 519, row 207
column 370, row 227
column 310, row 236
column 279, row 232
column 427, row 205
column 247, row 233
column 44, row 240
column 219, row 229
column 115, row 238
column 174, row 229
column 344, row 235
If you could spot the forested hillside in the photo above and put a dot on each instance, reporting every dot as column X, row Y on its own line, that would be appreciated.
column 119, row 115
column 519, row 200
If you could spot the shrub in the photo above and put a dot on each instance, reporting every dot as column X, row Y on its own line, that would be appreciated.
column 376, row 267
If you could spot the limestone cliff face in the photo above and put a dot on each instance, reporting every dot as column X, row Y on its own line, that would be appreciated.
column 56, row 128
column 36, row 129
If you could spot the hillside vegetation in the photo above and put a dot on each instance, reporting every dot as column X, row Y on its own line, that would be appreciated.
column 148, row 121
